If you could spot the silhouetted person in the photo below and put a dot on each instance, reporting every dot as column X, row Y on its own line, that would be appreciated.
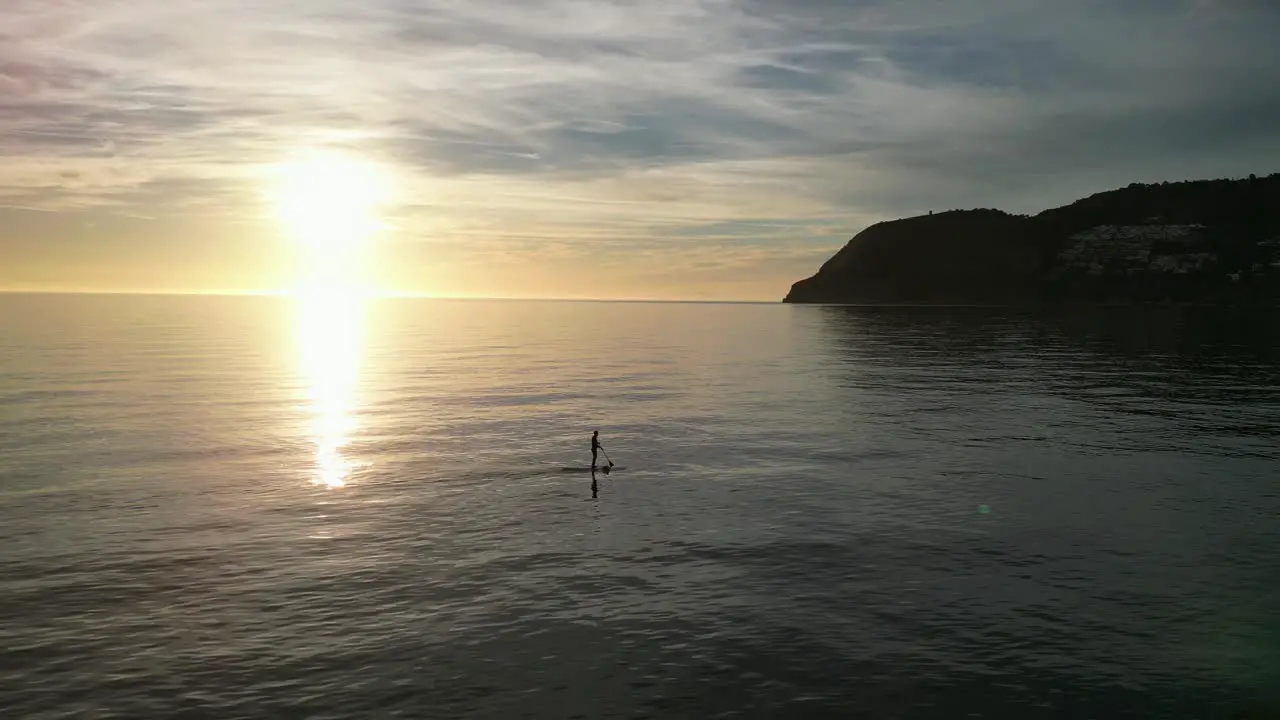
column 595, row 448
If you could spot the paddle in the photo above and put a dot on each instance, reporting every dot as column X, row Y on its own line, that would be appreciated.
column 606, row 456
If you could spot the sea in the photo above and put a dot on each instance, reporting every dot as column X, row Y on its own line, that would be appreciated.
column 334, row 507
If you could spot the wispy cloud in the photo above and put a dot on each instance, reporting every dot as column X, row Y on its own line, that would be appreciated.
column 667, row 132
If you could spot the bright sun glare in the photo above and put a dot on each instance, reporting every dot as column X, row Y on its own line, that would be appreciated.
column 329, row 344
column 328, row 202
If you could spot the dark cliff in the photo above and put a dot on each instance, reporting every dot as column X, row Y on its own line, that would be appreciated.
column 1201, row 241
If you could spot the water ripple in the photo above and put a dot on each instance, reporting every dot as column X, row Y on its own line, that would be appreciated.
column 825, row 512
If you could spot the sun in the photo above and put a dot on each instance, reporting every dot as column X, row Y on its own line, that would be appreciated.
column 329, row 198
column 328, row 202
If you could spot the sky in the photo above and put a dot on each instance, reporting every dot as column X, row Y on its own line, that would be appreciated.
column 662, row 149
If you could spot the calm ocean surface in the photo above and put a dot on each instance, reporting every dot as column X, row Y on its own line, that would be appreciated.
column 247, row 507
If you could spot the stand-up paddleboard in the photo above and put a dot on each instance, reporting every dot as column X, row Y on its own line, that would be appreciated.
column 599, row 468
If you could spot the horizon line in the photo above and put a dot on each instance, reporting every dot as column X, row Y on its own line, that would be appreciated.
column 284, row 294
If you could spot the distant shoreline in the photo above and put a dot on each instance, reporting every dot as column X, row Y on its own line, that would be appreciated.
column 1204, row 242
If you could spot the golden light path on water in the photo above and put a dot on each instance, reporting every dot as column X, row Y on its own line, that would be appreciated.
column 330, row 329
column 328, row 202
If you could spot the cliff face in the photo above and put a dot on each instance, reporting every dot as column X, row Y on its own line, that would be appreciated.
column 1194, row 241
column 964, row 255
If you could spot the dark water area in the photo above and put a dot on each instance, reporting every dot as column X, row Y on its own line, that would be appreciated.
column 242, row 507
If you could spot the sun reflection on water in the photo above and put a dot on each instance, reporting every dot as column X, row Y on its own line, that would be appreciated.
column 327, row 201
column 330, row 330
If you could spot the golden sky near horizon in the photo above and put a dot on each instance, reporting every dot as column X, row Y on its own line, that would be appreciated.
column 674, row 149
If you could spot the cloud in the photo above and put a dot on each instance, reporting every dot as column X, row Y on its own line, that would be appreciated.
column 679, row 125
